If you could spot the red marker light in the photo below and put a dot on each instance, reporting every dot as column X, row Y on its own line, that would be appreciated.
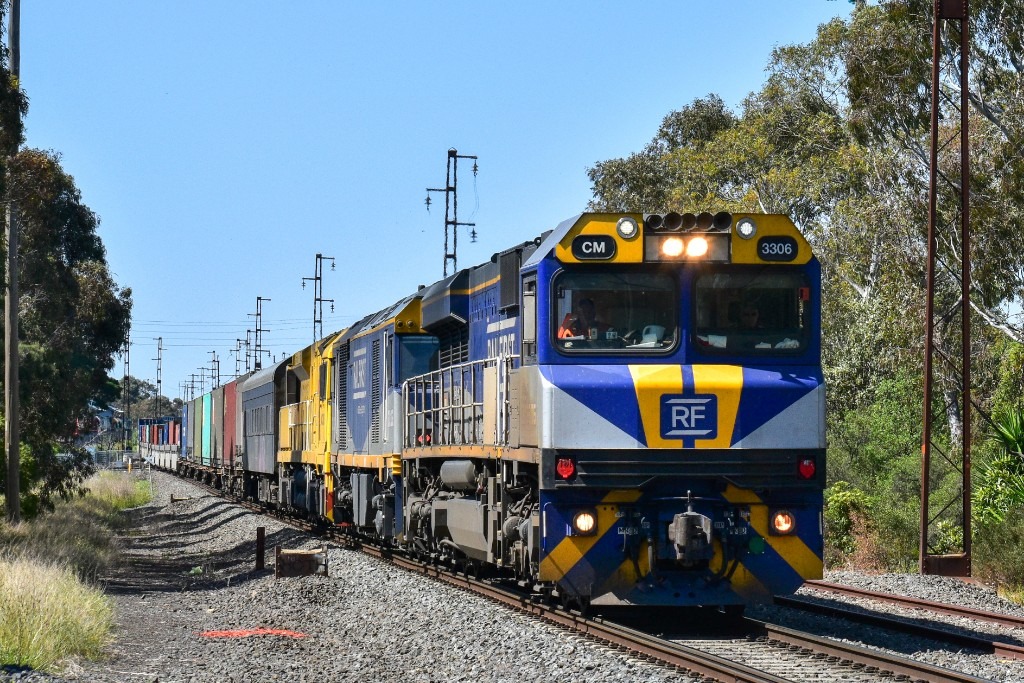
column 565, row 468
column 807, row 468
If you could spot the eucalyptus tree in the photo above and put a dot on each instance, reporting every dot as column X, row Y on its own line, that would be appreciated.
column 74, row 319
column 837, row 138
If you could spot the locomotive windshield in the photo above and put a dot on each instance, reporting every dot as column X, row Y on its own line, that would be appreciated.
column 619, row 311
column 760, row 312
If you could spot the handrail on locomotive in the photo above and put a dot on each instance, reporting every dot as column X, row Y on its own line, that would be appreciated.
column 446, row 407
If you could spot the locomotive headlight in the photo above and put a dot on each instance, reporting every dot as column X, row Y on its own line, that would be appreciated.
column 707, row 247
column 584, row 523
column 672, row 247
column 783, row 522
column 627, row 228
column 746, row 228
column 696, row 247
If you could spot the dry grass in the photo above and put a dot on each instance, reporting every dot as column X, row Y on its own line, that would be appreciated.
column 79, row 534
column 1012, row 593
column 47, row 614
column 48, row 607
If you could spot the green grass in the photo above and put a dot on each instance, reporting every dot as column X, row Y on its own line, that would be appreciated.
column 49, row 607
column 117, row 491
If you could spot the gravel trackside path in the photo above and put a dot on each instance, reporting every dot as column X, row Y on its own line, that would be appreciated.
column 189, row 570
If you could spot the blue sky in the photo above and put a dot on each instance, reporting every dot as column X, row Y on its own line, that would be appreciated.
column 223, row 145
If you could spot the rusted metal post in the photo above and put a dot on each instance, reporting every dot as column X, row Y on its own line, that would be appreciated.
column 931, row 563
column 965, row 280
column 261, row 546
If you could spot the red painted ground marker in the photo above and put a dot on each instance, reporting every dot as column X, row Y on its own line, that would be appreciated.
column 245, row 633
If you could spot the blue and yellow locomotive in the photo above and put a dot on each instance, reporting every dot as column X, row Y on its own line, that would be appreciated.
column 628, row 410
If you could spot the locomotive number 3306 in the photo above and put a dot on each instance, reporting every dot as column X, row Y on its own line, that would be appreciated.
column 777, row 248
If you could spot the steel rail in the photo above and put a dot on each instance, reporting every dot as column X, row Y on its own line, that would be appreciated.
column 649, row 646
column 918, row 603
column 984, row 644
column 900, row 666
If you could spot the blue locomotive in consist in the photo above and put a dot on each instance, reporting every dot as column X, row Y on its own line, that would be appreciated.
column 627, row 410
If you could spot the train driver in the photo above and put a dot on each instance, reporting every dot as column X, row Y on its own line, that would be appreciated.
column 750, row 317
column 583, row 323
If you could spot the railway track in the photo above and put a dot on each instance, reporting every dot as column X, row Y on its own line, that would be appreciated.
column 764, row 653
column 918, row 603
column 1000, row 647
column 781, row 654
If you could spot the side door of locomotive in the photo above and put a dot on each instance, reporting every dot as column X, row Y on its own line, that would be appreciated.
column 359, row 399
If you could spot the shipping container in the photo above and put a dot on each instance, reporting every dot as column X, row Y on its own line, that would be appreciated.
column 217, row 427
column 207, row 428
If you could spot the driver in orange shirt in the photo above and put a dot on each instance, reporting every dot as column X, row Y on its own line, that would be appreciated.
column 580, row 323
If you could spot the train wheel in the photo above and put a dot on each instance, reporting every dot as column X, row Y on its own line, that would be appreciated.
column 579, row 603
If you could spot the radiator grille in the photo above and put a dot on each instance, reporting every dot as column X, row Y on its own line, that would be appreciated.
column 454, row 345
column 341, row 396
column 375, row 397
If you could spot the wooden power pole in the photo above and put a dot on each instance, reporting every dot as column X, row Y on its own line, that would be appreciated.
column 12, row 437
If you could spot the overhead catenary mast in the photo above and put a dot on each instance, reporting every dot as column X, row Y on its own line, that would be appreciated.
column 451, row 208
column 318, row 291
column 258, row 360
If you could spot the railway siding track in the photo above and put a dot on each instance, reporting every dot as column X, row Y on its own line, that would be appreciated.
column 909, row 602
column 796, row 656
column 815, row 657
column 984, row 643
column 865, row 659
column 688, row 659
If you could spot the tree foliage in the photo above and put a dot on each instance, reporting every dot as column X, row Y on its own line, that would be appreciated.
column 142, row 401
column 73, row 318
column 838, row 139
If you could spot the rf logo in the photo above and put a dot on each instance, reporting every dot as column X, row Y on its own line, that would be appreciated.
column 694, row 416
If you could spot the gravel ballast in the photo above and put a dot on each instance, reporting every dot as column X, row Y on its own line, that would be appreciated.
column 189, row 570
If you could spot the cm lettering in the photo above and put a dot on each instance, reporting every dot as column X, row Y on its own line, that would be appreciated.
column 593, row 247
